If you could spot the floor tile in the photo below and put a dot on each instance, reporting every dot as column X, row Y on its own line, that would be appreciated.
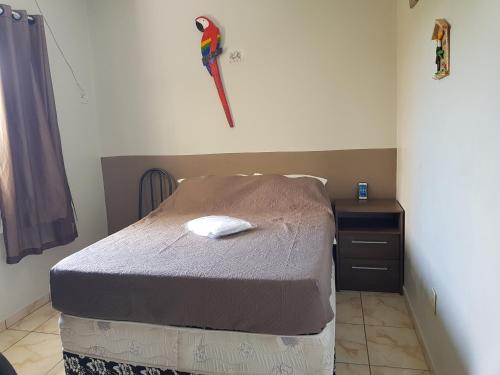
column 37, row 353
column 394, row 347
column 350, row 369
column 349, row 308
column 383, row 310
column 349, row 292
column 9, row 338
column 381, row 294
column 58, row 370
column 35, row 319
column 351, row 344
column 50, row 326
column 396, row 371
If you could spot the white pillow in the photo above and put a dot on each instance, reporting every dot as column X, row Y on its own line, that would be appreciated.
column 321, row 179
column 217, row 226
column 183, row 179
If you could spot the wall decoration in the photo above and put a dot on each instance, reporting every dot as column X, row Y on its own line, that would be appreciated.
column 210, row 50
column 413, row 3
column 441, row 35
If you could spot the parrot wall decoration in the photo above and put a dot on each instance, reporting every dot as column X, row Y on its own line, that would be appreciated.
column 210, row 50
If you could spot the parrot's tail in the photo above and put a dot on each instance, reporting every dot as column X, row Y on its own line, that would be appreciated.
column 222, row 95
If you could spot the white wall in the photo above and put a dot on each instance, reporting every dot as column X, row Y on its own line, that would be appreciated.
column 317, row 75
column 27, row 281
column 448, row 134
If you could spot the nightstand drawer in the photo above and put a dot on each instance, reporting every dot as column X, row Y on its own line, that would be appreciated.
column 374, row 245
column 370, row 275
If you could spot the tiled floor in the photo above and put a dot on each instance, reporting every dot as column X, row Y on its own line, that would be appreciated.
column 374, row 337
column 33, row 345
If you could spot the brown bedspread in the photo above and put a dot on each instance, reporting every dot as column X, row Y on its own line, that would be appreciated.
column 274, row 279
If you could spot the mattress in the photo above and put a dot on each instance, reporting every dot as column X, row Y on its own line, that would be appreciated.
column 196, row 351
column 274, row 279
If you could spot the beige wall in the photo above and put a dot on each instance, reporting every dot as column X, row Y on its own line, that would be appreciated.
column 448, row 162
column 316, row 75
column 27, row 281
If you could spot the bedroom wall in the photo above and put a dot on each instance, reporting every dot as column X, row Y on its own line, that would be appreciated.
column 448, row 159
column 22, row 284
column 316, row 75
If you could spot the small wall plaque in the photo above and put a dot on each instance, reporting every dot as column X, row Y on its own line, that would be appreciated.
column 441, row 35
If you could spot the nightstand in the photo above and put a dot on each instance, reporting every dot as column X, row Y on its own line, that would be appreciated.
column 370, row 245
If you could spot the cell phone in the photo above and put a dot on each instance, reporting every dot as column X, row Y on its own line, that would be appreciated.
column 362, row 190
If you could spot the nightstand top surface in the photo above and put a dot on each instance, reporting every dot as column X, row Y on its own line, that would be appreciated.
column 367, row 206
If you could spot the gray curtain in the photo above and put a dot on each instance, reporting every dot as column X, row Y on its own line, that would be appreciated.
column 35, row 200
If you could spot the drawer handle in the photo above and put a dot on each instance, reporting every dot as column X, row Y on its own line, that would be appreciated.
column 369, row 242
column 370, row 268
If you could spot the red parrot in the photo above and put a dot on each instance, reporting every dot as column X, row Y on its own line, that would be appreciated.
column 210, row 49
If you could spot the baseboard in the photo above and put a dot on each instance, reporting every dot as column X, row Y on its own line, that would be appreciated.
column 420, row 335
column 24, row 312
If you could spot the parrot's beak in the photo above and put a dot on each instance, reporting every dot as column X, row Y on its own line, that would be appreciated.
column 199, row 26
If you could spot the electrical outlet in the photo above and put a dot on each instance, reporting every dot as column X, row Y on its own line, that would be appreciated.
column 434, row 297
column 235, row 56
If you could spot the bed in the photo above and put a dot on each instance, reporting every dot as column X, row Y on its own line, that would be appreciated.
column 157, row 299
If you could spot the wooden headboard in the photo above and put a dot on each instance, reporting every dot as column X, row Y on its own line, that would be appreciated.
column 343, row 168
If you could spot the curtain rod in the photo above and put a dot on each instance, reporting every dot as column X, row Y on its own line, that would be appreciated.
column 17, row 16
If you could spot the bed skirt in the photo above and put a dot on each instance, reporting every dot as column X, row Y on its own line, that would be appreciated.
column 126, row 348
column 81, row 365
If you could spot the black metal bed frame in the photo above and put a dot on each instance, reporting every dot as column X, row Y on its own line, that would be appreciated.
column 163, row 180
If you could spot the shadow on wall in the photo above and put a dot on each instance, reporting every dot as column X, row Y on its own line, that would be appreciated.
column 444, row 351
